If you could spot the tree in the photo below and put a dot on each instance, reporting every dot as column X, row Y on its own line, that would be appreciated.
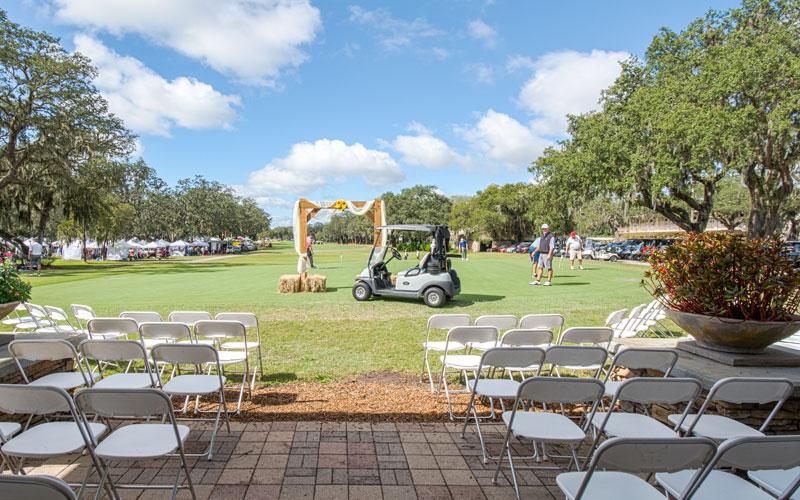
column 417, row 205
column 506, row 212
column 731, row 203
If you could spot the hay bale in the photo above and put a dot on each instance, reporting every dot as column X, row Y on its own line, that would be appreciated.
column 315, row 283
column 289, row 283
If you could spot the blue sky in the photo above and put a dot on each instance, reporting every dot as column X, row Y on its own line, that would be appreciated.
column 326, row 100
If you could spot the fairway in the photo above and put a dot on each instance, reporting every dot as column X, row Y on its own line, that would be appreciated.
column 329, row 335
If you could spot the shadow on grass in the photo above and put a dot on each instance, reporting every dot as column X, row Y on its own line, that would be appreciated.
column 467, row 299
column 573, row 284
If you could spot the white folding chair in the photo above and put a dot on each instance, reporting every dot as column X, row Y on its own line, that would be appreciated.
column 552, row 322
column 82, row 312
column 18, row 318
column 440, row 322
column 188, row 317
column 738, row 390
column 134, row 442
column 249, row 320
column 776, row 481
column 33, row 350
column 195, row 384
column 462, row 363
column 526, row 338
column 576, row 357
column 224, row 331
column 61, row 320
column 640, row 358
column 35, row 488
column 142, row 316
column 612, row 472
column 51, row 438
column 628, row 327
column 106, row 351
column 502, row 322
column 7, row 431
column 498, row 359
column 755, row 454
column 161, row 332
column 587, row 336
column 41, row 320
column 112, row 328
column 615, row 318
column 544, row 426
column 646, row 392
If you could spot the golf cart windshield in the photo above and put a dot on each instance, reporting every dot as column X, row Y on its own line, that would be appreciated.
column 377, row 255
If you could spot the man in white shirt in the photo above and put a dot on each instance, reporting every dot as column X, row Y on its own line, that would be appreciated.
column 35, row 257
column 575, row 248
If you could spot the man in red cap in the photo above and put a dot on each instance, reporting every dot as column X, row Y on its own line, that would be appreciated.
column 575, row 249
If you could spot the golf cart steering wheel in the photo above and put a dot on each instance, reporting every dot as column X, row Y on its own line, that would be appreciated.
column 396, row 254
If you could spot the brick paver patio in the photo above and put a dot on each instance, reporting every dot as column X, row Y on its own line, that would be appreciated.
column 330, row 460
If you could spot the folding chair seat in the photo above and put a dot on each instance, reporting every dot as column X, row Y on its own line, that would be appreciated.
column 640, row 358
column 233, row 331
column 462, row 363
column 112, row 328
column 35, row 488
column 589, row 335
column 105, row 351
column 776, row 481
column 440, row 322
column 755, row 454
column 646, row 392
column 502, row 322
column 737, row 390
column 575, row 357
column 51, row 438
column 82, row 312
column 137, row 441
column 498, row 359
column 142, row 316
column 552, row 322
column 195, row 384
column 612, row 472
column 50, row 350
column 526, row 338
column 249, row 320
column 547, row 427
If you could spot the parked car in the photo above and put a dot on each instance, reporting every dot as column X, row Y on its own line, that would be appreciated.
column 501, row 248
column 793, row 252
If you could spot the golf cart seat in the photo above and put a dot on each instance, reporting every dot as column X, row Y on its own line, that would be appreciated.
column 414, row 271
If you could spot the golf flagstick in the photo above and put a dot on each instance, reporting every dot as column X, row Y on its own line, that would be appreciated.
column 560, row 260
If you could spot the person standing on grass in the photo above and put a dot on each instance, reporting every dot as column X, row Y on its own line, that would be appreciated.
column 534, row 251
column 463, row 245
column 575, row 248
column 309, row 251
column 35, row 258
column 547, row 244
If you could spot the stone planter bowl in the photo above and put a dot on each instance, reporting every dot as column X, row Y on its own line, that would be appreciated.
column 7, row 308
column 730, row 335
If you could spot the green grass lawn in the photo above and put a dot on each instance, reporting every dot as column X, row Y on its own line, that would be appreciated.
column 329, row 335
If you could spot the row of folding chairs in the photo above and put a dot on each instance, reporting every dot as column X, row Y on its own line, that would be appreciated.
column 82, row 424
column 643, row 320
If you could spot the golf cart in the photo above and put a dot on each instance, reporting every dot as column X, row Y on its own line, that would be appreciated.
column 432, row 279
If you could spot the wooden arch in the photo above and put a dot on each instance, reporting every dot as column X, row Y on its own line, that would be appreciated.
column 308, row 210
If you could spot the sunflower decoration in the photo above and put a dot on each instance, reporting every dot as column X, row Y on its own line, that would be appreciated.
column 340, row 205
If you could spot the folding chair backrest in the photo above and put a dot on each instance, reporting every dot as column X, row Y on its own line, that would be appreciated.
column 465, row 334
column 448, row 321
column 510, row 357
column 760, row 453
column 638, row 358
column 123, row 402
column 36, row 311
column 173, row 331
column 58, row 314
column 42, row 349
column 124, row 326
column 753, row 390
column 548, row 321
column 645, row 390
column 520, row 337
column 575, row 355
column 220, row 328
column 247, row 319
column 648, row 455
column 184, row 354
column 560, row 390
column 112, row 350
column 82, row 312
column 627, row 327
column 501, row 321
column 142, row 316
column 615, row 317
column 189, row 317
column 33, row 399
column 592, row 335
column 35, row 488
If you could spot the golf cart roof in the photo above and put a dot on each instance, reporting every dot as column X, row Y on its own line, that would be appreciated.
column 409, row 227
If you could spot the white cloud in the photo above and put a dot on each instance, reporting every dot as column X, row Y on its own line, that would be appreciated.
column 310, row 166
column 254, row 40
column 567, row 82
column 148, row 103
column 480, row 73
column 395, row 34
column 280, row 221
column 504, row 139
column 479, row 30
column 518, row 62
column 426, row 150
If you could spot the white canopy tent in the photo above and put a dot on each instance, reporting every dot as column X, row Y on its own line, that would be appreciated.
column 177, row 248
column 118, row 250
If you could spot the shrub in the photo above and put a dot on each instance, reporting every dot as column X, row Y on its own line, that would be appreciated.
column 726, row 276
column 12, row 288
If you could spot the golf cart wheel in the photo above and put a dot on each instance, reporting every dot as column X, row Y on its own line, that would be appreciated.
column 613, row 258
column 434, row 297
column 361, row 291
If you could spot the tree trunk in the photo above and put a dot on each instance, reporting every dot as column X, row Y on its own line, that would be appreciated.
column 767, row 191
